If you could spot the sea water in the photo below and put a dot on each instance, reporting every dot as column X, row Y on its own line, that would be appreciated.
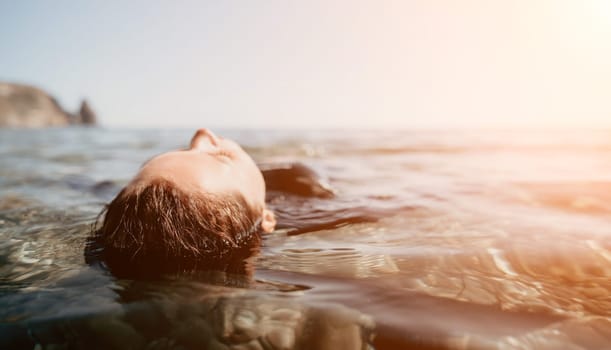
column 435, row 239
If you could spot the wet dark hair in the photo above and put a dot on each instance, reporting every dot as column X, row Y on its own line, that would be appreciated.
column 158, row 228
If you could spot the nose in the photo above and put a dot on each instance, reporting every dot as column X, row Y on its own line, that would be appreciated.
column 204, row 138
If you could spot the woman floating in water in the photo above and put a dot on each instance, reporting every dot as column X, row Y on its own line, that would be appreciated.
column 204, row 207
column 201, row 205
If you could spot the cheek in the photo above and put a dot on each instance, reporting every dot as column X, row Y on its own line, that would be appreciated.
column 255, row 182
column 251, row 176
column 253, row 187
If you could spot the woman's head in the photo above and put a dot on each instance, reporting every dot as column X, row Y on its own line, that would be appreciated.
column 203, row 204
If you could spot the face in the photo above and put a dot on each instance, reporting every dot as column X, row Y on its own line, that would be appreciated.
column 211, row 164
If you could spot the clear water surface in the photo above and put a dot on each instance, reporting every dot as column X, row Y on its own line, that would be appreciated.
column 475, row 240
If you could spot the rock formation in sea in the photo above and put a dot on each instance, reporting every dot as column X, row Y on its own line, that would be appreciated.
column 23, row 106
column 85, row 115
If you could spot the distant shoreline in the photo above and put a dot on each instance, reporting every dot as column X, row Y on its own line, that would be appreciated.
column 26, row 106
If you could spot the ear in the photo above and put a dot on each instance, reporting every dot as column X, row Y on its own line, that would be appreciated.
column 269, row 221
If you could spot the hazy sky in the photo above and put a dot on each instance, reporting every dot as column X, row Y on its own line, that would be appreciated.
column 425, row 63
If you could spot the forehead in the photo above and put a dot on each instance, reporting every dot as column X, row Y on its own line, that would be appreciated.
column 185, row 168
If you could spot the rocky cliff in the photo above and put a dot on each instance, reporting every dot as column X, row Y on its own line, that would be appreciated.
column 24, row 106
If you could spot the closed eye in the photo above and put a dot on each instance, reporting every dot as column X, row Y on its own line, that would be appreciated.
column 224, row 153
